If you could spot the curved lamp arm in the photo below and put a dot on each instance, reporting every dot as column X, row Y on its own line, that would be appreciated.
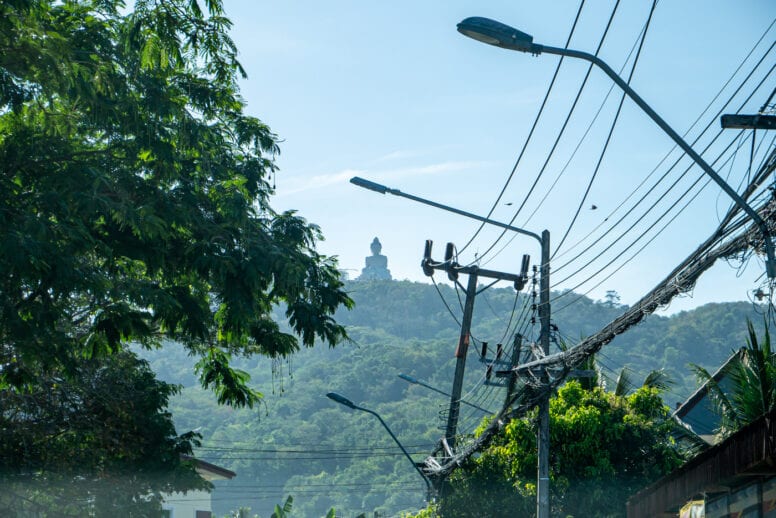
column 342, row 400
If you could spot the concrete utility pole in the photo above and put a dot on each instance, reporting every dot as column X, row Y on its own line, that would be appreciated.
column 460, row 360
column 453, row 269
column 543, row 437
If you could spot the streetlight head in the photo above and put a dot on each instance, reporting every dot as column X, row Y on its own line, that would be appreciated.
column 497, row 34
column 342, row 400
column 366, row 184
column 409, row 379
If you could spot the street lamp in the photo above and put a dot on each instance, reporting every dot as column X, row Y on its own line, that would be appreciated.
column 342, row 400
column 506, row 37
column 543, row 436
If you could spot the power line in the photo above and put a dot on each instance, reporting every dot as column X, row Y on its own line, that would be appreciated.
column 609, row 136
column 312, row 456
column 306, row 450
column 560, row 133
column 721, row 236
column 676, row 162
column 531, row 132
column 712, row 120
column 643, row 234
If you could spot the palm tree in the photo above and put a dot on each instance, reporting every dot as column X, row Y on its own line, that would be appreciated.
column 624, row 384
column 657, row 379
column 752, row 381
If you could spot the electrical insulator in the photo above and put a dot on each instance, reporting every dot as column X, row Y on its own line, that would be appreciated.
column 523, row 278
column 426, row 262
column 499, row 350
column 449, row 264
column 489, row 372
column 484, row 350
column 449, row 252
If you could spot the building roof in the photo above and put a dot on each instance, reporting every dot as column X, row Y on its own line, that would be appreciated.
column 697, row 396
column 698, row 410
column 210, row 471
column 749, row 452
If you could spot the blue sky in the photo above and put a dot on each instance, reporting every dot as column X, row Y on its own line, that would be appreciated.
column 390, row 91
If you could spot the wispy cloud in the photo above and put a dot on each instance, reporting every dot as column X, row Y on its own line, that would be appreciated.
column 399, row 155
column 439, row 168
column 299, row 184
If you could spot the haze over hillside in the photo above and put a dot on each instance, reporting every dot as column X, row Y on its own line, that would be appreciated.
column 325, row 455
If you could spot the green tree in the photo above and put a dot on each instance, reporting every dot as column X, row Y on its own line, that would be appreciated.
column 604, row 447
column 134, row 196
column 134, row 208
column 752, row 383
column 623, row 384
column 95, row 442
column 612, row 299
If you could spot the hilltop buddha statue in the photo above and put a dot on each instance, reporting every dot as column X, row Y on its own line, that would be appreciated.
column 376, row 265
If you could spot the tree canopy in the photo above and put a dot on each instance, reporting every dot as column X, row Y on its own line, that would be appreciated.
column 134, row 209
column 134, row 196
column 603, row 448
column 92, row 442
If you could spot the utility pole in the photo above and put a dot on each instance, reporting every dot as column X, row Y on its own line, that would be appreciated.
column 543, row 440
column 460, row 360
column 453, row 269
column 543, row 433
column 543, row 437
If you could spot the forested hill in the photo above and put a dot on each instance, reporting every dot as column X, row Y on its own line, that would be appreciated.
column 706, row 335
column 325, row 455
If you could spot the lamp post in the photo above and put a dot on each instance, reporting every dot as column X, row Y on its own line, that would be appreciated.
column 502, row 35
column 342, row 400
column 543, row 437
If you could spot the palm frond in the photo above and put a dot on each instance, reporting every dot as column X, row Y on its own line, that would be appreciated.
column 285, row 511
column 624, row 383
column 658, row 379
column 723, row 406
column 597, row 380
column 754, row 376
